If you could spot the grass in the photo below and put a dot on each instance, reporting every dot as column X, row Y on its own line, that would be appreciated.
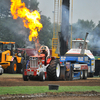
column 43, row 89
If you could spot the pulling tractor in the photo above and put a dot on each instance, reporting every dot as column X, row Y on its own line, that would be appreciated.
column 10, row 60
column 78, row 62
column 39, row 66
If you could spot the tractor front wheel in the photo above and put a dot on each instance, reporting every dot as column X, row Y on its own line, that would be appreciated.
column 42, row 76
column 53, row 70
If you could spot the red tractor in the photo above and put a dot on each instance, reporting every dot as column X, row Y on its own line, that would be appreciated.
column 41, row 66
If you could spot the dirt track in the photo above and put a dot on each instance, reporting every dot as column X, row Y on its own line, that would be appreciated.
column 16, row 80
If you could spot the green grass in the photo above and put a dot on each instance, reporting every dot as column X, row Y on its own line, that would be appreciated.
column 43, row 89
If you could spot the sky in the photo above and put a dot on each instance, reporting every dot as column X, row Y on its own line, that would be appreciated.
column 82, row 9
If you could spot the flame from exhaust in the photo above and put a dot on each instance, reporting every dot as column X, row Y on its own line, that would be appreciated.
column 31, row 20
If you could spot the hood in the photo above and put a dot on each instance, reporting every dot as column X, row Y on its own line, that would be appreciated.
column 77, row 51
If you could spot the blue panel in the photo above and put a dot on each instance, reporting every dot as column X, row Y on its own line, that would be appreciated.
column 72, row 58
column 77, row 74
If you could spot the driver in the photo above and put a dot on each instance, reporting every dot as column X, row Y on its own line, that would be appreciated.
column 80, row 45
column 45, row 50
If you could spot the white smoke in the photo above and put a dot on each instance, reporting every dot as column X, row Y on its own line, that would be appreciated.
column 94, row 39
column 65, row 22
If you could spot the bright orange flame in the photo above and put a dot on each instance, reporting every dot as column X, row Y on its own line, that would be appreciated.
column 31, row 20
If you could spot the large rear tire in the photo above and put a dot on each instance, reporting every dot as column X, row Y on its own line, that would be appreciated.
column 53, row 70
column 13, row 67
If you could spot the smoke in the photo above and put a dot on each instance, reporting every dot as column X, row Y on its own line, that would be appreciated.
column 95, row 38
column 65, row 22
column 79, row 31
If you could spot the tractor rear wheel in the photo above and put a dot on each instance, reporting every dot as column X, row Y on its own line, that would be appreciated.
column 53, row 70
column 42, row 76
column 13, row 67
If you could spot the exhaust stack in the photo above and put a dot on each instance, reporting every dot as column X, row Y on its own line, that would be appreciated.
column 64, row 36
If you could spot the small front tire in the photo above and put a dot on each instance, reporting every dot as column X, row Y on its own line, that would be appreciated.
column 42, row 76
column 25, row 77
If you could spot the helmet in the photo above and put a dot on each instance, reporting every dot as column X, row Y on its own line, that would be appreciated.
column 43, row 48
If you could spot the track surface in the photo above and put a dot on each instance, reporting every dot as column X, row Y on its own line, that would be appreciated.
column 16, row 80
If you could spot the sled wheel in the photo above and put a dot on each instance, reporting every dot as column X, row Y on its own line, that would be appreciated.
column 84, row 74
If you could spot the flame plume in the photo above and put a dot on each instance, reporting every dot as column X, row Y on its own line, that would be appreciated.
column 31, row 20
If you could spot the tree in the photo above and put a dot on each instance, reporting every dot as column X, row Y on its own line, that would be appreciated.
column 10, row 29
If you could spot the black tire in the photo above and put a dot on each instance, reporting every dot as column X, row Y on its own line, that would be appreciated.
column 20, row 65
column 71, row 73
column 31, row 78
column 25, row 77
column 13, row 67
column 42, row 76
column 6, row 70
column 91, row 74
column 81, row 74
column 85, row 74
column 52, row 73
column 19, row 68
column 0, row 73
